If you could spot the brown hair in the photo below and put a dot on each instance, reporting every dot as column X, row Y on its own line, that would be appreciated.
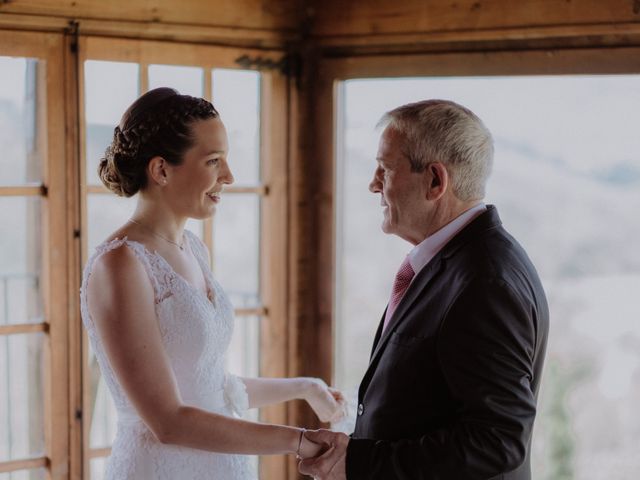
column 156, row 124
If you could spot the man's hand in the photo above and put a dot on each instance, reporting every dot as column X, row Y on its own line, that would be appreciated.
column 331, row 465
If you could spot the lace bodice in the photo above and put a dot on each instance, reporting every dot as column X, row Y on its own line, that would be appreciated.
column 196, row 331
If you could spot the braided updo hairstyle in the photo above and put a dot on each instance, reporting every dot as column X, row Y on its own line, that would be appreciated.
column 156, row 124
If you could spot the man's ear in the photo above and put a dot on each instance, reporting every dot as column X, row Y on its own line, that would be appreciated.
column 437, row 178
column 157, row 171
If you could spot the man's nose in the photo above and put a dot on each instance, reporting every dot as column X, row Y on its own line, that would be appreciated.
column 374, row 185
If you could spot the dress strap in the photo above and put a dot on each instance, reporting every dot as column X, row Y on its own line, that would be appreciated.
column 142, row 254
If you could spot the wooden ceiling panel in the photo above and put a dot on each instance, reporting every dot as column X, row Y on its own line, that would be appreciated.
column 374, row 17
column 243, row 14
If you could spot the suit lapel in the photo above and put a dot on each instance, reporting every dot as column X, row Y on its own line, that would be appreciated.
column 376, row 339
column 483, row 223
column 424, row 277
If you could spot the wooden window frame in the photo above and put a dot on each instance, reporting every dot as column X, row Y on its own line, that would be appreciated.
column 321, row 153
column 298, row 150
column 50, row 48
column 272, row 190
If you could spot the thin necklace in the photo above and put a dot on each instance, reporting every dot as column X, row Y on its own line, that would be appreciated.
column 180, row 246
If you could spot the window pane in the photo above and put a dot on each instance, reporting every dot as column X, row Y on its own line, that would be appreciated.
column 187, row 80
column 236, row 234
column 104, row 416
column 98, row 466
column 21, row 130
column 236, row 95
column 243, row 356
column 20, row 260
column 110, row 87
column 21, row 396
column 105, row 213
column 566, row 182
column 35, row 474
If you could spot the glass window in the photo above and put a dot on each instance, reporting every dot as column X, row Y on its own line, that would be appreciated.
column 21, row 261
column 21, row 396
column 33, row 474
column 104, row 416
column 110, row 87
column 236, row 96
column 236, row 243
column 106, row 213
column 566, row 182
column 20, row 138
column 98, row 466
column 187, row 80
column 244, row 355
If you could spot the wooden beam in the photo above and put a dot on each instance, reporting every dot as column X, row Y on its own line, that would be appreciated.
column 207, row 223
column 99, row 452
column 259, row 189
column 251, row 312
column 75, row 175
column 27, row 44
column 571, row 36
column 249, row 15
column 18, row 328
column 22, row 190
column 379, row 17
column 310, row 337
column 54, row 253
column 170, row 53
column 229, row 36
column 536, row 62
column 23, row 464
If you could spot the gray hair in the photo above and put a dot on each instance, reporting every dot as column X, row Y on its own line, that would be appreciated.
column 443, row 131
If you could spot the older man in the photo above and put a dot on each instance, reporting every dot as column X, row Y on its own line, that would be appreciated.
column 451, row 388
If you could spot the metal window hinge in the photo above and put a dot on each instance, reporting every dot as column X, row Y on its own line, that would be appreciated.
column 72, row 30
column 290, row 64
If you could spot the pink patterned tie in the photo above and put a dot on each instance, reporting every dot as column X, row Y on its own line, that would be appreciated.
column 400, row 284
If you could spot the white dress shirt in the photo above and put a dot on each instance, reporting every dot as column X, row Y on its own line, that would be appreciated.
column 422, row 253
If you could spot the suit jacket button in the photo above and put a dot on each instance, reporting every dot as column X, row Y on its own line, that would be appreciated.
column 360, row 409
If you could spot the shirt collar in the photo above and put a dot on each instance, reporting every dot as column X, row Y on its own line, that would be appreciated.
column 422, row 253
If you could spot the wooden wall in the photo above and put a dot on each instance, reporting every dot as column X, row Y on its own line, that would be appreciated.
column 254, row 14
column 368, row 26
column 345, row 27
column 263, row 23
column 335, row 38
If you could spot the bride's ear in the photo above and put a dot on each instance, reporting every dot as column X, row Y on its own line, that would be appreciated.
column 157, row 171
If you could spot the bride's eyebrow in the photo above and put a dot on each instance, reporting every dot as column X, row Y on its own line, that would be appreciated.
column 214, row 151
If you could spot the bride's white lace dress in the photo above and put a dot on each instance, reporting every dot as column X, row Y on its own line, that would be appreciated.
column 196, row 331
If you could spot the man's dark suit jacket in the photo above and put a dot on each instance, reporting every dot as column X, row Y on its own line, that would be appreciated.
column 451, row 389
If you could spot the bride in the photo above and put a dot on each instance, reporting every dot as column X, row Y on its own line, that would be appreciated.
column 159, row 322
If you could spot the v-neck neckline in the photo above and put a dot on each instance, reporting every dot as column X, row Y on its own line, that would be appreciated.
column 208, row 295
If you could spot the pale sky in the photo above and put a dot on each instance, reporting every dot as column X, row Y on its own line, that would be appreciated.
column 532, row 111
